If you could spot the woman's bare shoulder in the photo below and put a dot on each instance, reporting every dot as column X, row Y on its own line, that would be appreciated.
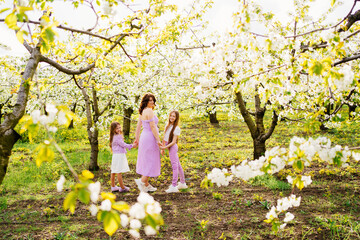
column 147, row 114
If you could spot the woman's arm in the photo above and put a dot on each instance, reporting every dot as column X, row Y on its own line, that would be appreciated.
column 137, row 131
column 155, row 132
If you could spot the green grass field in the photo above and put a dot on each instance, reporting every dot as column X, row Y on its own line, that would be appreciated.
column 31, row 208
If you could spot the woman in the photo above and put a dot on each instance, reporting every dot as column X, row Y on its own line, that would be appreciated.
column 148, row 161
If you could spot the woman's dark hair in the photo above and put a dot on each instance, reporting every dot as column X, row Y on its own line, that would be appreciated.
column 176, row 122
column 145, row 100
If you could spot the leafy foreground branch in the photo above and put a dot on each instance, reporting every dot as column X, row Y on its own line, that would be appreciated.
column 145, row 213
column 301, row 154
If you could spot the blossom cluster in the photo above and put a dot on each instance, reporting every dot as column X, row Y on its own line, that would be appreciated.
column 220, row 177
column 46, row 119
column 283, row 205
column 132, row 218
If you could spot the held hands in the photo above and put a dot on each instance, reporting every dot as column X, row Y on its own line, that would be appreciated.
column 162, row 151
column 135, row 144
column 160, row 144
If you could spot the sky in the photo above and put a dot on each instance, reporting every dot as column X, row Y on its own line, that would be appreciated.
column 219, row 17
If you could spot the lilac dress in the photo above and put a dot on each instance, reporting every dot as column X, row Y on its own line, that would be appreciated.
column 148, row 161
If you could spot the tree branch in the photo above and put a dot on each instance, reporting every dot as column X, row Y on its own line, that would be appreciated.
column 64, row 69
column 272, row 127
column 347, row 59
column 249, row 121
column 86, row 32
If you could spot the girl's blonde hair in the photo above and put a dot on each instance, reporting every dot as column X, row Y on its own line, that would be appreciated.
column 113, row 127
column 176, row 122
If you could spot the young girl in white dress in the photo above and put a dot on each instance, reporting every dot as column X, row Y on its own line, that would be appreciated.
column 119, row 163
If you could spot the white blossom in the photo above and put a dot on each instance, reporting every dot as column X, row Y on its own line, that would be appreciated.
column 153, row 208
column 149, row 230
column 35, row 115
column 62, row 120
column 53, row 129
column 219, row 177
column 356, row 156
column 105, row 205
column 94, row 189
column 288, row 217
column 272, row 213
column 60, row 183
column 124, row 220
column 93, row 209
column 134, row 233
column 137, row 211
column 282, row 226
column 135, row 224
column 307, row 180
column 145, row 198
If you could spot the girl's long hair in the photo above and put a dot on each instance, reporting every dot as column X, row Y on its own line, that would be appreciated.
column 176, row 122
column 113, row 127
column 145, row 100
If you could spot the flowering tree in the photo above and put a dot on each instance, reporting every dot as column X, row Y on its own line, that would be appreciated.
column 145, row 26
column 294, row 70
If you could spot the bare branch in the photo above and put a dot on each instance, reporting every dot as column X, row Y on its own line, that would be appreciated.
column 347, row 59
column 86, row 32
column 122, row 47
column 351, row 20
column 272, row 127
column 64, row 69
column 187, row 48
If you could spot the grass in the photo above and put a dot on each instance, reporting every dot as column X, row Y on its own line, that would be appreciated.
column 271, row 182
column 28, row 193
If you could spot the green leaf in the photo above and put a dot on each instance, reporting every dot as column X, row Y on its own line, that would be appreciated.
column 111, row 223
column 70, row 201
column 150, row 221
column 101, row 215
column 48, row 34
column 316, row 68
column 84, row 196
column 4, row 10
column 44, row 47
column 333, row 2
column 24, row 9
column 20, row 37
column 11, row 21
column 44, row 154
column 298, row 165
column 121, row 206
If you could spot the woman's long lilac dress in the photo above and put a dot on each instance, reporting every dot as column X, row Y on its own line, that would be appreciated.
column 148, row 161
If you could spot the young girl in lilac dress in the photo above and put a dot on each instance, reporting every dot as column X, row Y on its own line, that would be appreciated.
column 119, row 163
column 172, row 132
column 148, row 161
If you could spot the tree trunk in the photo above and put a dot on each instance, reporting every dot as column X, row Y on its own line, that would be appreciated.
column 259, row 148
column 127, row 121
column 6, row 144
column 256, row 126
column 94, row 144
column 213, row 118
column 73, row 109
column 8, row 136
column 352, row 109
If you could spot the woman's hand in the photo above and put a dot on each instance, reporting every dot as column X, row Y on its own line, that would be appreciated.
column 162, row 151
